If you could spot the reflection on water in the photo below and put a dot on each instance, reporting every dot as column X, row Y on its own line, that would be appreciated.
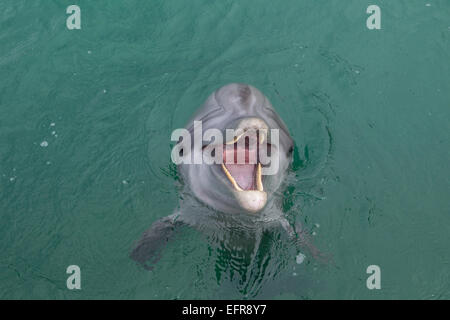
column 367, row 109
column 249, row 260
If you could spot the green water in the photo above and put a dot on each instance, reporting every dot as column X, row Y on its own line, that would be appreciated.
column 368, row 109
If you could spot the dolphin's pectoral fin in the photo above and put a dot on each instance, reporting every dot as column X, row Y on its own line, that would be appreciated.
column 303, row 241
column 147, row 250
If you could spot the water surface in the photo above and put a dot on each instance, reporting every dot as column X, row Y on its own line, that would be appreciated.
column 85, row 123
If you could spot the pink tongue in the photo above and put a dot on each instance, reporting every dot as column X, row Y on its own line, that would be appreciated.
column 243, row 174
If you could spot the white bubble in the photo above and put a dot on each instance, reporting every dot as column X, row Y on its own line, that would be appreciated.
column 300, row 258
column 53, row 133
column 89, row 51
column 104, row 91
column 314, row 233
column 52, row 124
column 428, row 5
column 48, row 163
column 125, row 182
column 44, row 144
column 12, row 179
column 317, row 225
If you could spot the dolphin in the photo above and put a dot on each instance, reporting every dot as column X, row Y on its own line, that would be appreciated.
column 222, row 198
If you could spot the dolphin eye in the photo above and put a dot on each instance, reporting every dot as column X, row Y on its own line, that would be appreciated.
column 290, row 150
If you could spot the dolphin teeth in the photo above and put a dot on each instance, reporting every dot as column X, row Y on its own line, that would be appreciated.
column 259, row 184
column 262, row 135
column 261, row 139
column 235, row 139
column 230, row 177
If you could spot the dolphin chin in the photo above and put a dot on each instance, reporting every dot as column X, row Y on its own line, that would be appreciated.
column 251, row 201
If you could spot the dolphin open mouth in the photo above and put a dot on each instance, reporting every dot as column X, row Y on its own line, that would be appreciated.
column 241, row 163
column 243, row 159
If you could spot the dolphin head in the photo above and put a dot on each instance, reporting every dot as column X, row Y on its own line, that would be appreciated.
column 244, row 152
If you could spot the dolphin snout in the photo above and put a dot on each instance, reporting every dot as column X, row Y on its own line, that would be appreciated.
column 250, row 126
